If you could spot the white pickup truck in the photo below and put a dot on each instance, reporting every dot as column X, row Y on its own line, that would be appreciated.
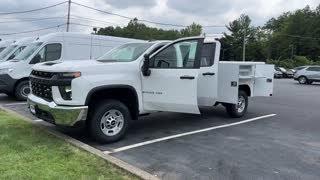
column 140, row 78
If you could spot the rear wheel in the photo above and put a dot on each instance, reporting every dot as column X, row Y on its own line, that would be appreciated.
column 302, row 80
column 22, row 91
column 238, row 110
column 110, row 121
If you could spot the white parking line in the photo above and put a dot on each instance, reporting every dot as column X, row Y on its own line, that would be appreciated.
column 38, row 120
column 185, row 134
column 12, row 104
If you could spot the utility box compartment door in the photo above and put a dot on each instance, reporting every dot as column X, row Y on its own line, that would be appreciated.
column 263, row 80
column 228, row 83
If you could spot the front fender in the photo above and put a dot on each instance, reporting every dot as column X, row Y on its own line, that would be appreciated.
column 83, row 87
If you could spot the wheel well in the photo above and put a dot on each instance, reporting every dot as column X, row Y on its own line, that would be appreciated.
column 302, row 76
column 20, row 80
column 245, row 88
column 124, row 94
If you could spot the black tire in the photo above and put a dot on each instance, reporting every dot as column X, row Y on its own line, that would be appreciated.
column 233, row 109
column 309, row 82
column 22, row 90
column 95, row 123
column 303, row 80
column 10, row 95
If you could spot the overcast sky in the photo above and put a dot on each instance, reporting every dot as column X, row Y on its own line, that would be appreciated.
column 205, row 12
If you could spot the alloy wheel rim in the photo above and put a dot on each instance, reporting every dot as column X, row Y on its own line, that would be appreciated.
column 302, row 80
column 241, row 104
column 25, row 91
column 112, row 122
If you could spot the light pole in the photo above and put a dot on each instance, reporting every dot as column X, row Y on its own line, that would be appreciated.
column 244, row 47
column 68, row 16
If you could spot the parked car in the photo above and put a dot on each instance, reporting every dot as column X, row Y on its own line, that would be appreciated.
column 297, row 68
column 62, row 46
column 308, row 75
column 277, row 74
column 15, row 48
column 141, row 78
column 285, row 73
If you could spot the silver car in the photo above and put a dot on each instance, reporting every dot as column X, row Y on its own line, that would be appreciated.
column 308, row 75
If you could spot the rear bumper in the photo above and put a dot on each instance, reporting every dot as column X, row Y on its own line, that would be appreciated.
column 7, row 83
column 55, row 114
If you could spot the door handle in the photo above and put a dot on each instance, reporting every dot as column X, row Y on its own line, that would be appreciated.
column 208, row 74
column 186, row 77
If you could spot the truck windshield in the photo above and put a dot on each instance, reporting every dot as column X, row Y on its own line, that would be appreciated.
column 28, row 51
column 2, row 48
column 7, row 51
column 126, row 53
column 16, row 52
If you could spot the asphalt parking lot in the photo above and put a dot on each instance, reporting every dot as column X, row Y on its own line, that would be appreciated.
column 279, row 138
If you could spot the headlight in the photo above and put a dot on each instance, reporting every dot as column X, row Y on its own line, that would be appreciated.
column 65, row 92
column 71, row 75
column 5, row 70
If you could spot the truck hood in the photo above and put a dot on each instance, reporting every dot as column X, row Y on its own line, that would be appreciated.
column 83, row 66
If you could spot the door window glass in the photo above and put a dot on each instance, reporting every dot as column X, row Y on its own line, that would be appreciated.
column 207, row 55
column 50, row 52
column 53, row 52
column 178, row 55
column 314, row 69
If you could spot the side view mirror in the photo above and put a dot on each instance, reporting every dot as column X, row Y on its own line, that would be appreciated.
column 36, row 59
column 145, row 67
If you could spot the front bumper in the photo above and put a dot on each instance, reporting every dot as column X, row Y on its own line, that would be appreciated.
column 7, row 83
column 55, row 114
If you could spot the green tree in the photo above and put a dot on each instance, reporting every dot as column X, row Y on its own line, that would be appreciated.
column 192, row 30
column 138, row 30
column 241, row 31
column 295, row 34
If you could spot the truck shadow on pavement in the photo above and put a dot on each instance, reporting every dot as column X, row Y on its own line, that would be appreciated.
column 163, row 124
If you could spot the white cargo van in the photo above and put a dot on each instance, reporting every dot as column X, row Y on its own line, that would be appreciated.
column 15, row 48
column 14, row 74
column 4, row 44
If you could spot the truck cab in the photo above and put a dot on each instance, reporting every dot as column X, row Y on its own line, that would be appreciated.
column 141, row 78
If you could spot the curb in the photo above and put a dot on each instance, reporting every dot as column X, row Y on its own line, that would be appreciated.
column 115, row 161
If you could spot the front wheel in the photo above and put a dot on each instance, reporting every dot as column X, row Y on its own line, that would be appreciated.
column 302, row 80
column 110, row 121
column 238, row 110
column 22, row 91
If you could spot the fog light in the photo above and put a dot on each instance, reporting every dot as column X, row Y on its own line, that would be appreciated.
column 65, row 92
